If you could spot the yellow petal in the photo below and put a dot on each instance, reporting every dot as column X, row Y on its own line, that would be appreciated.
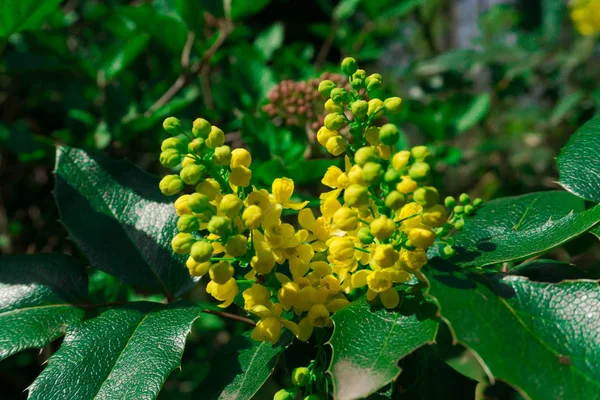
column 291, row 326
column 282, row 189
column 334, row 194
column 371, row 295
column 295, row 206
column 336, row 304
column 359, row 278
column 390, row 298
column 261, row 311
column 305, row 329
column 331, row 177
column 306, row 219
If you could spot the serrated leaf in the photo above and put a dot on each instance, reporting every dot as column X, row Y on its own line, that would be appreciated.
column 515, row 228
column 19, row 15
column 118, row 216
column 579, row 162
column 241, row 368
column 368, row 341
column 125, row 353
column 539, row 337
column 38, row 297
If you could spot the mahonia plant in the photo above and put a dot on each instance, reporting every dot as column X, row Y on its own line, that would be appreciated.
column 375, row 226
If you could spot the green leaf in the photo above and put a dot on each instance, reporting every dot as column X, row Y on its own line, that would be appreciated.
column 19, row 15
column 345, row 9
column 270, row 40
column 126, row 352
column 579, row 162
column 38, row 296
column 121, row 57
column 192, row 13
column 241, row 368
column 516, row 228
column 399, row 9
column 245, row 8
column 565, row 106
column 475, row 113
column 118, row 216
column 368, row 341
column 539, row 337
column 596, row 232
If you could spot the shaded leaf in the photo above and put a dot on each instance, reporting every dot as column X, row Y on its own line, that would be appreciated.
column 270, row 40
column 345, row 9
column 121, row 57
column 475, row 113
column 565, row 106
column 19, row 15
column 246, row 8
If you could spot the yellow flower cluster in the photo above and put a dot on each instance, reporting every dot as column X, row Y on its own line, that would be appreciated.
column 586, row 16
column 373, row 229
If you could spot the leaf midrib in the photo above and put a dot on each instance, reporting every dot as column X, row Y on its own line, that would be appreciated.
column 18, row 310
column 237, row 392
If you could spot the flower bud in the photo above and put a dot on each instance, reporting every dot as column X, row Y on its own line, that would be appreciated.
column 464, row 198
column 449, row 251
column 375, row 108
column 196, row 146
column 324, row 134
column 372, row 173
column 171, row 184
column 427, row 196
column 469, row 210
column 421, row 236
column 382, row 227
column 391, row 176
column 372, row 135
column 459, row 225
column 173, row 143
column 458, row 209
column 406, row 185
column 395, row 200
column 284, row 394
column 300, row 376
column 215, row 138
column 197, row 268
column 182, row 243
column 333, row 108
column 339, row 95
column 218, row 225
column 355, row 176
column 222, row 155
column 221, row 272
column 365, row 155
column 334, row 121
column 181, row 205
column 393, row 105
column 188, row 223
column 198, row 202
column 230, row 205
column 400, row 160
column 435, row 216
column 420, row 153
column 210, row 188
column 359, row 108
column 365, row 236
column 240, row 176
column 389, row 134
column 477, row 202
column 240, row 158
column 345, row 219
column 252, row 217
column 170, row 158
column 191, row 174
column 349, row 66
column 356, row 196
column 373, row 82
column 201, row 128
column 449, row 202
column 201, row 251
column 236, row 246
column 336, row 145
column 172, row 126
column 385, row 256
column 325, row 87
column 358, row 79
column 419, row 171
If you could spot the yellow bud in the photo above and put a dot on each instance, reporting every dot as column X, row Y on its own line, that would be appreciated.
column 331, row 107
column 382, row 227
column 421, row 236
column 240, row 176
column 365, row 155
column 222, row 155
column 324, row 134
column 420, row 153
column 372, row 135
column 356, row 196
column 435, row 216
column 345, row 219
column 252, row 217
column 355, row 176
column 385, row 256
column 201, row 128
column 201, row 251
column 236, row 246
column 171, row 184
column 230, row 205
column 393, row 105
column 182, row 243
column 406, row 185
column 221, row 272
column 341, row 249
column 218, row 225
column 336, row 145
column 240, row 158
column 215, row 138
column 375, row 108
column 181, row 205
column 197, row 268
column 210, row 188
column 400, row 160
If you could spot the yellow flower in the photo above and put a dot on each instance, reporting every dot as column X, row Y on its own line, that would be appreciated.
column 240, row 158
column 318, row 316
column 268, row 329
column 382, row 227
column 210, row 188
column 410, row 216
column 586, row 16
column 240, row 176
column 256, row 295
column 380, row 284
column 181, row 205
column 341, row 249
column 336, row 179
column 421, row 236
column 225, row 292
column 385, row 256
column 288, row 295
column 413, row 259
column 282, row 190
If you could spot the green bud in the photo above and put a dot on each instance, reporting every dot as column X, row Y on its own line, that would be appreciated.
column 198, row 202
column 339, row 95
column 182, row 243
column 393, row 105
column 360, row 74
column 201, row 128
column 172, row 126
column 192, row 173
column 357, row 84
column 375, row 108
column 284, row 394
column 420, row 153
column 395, row 200
column 419, row 171
column 173, row 143
column 333, row 108
column 365, row 236
column 360, row 108
column 449, row 202
column 460, row 224
column 188, row 223
column 300, row 376
column 391, row 176
column 458, row 209
column 171, row 184
column 334, row 122
column 170, row 158
column 313, row 397
column 218, row 225
column 325, row 87
column 215, row 138
column 449, row 251
column 372, row 173
column 201, row 251
column 464, row 198
column 356, row 196
column 196, row 146
column 389, row 134
column 349, row 66
column 365, row 155
column 427, row 196
column 477, row 202
column 222, row 155
column 374, row 82
column 469, row 209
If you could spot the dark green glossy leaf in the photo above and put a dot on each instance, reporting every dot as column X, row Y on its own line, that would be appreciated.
column 552, row 271
column 539, row 337
column 38, row 297
column 117, row 215
column 125, row 353
column 515, row 228
column 579, row 162
column 596, row 232
column 368, row 341
column 241, row 368
column 19, row 15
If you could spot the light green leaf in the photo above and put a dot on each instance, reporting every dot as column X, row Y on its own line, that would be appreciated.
column 400, row 9
column 121, row 57
column 120, row 219
column 241, row 368
column 565, row 106
column 345, row 9
column 270, row 40
column 38, row 297
column 579, row 162
column 18, row 15
column 368, row 341
column 516, row 228
column 245, row 8
column 596, row 232
column 125, row 353
column 538, row 337
column 475, row 113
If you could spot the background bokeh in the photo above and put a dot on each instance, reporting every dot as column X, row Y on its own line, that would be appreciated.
column 494, row 88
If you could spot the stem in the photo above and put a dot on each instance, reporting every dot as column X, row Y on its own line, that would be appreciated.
column 222, row 259
column 230, row 316
column 363, row 250
column 245, row 281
